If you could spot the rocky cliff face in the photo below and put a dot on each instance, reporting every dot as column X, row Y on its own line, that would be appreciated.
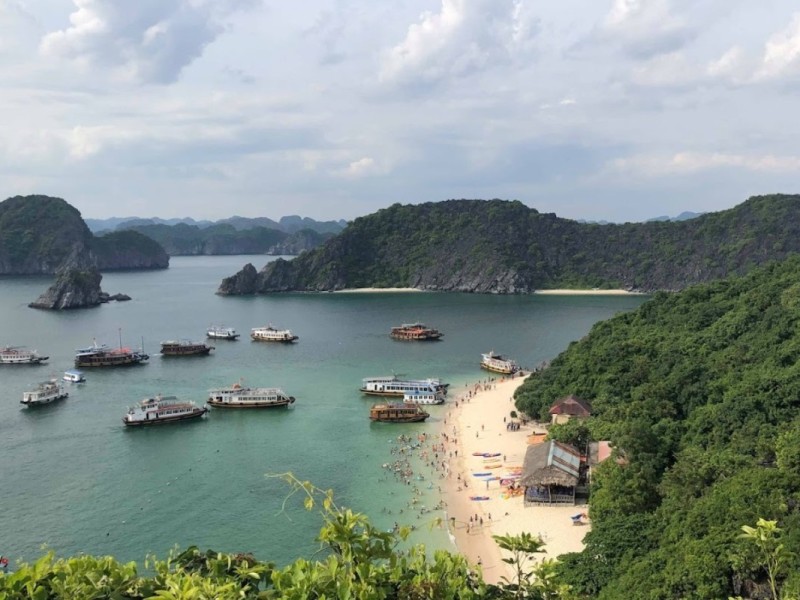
column 505, row 247
column 73, row 288
column 243, row 283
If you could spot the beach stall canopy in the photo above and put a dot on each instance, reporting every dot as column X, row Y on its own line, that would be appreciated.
column 570, row 407
column 550, row 473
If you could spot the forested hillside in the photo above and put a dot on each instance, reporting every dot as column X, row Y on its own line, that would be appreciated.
column 699, row 392
column 41, row 234
column 505, row 247
column 226, row 238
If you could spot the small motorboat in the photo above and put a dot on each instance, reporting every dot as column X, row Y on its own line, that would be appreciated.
column 74, row 376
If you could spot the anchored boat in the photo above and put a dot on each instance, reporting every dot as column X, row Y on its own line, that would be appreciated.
column 74, row 376
column 270, row 334
column 44, row 393
column 184, row 348
column 17, row 355
column 103, row 356
column 418, row 332
column 237, row 396
column 498, row 363
column 162, row 409
column 397, row 413
column 394, row 386
column 221, row 333
column 430, row 397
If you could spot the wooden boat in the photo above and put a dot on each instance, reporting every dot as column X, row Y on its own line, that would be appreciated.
column 162, row 409
column 418, row 332
column 185, row 348
column 498, row 363
column 270, row 334
column 237, row 396
column 103, row 356
column 44, row 393
column 397, row 413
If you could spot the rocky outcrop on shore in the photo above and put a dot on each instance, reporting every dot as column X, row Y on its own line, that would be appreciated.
column 73, row 288
column 243, row 283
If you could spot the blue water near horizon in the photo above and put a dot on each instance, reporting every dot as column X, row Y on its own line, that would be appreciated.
column 74, row 479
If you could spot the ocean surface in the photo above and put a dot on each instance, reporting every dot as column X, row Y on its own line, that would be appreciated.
column 74, row 479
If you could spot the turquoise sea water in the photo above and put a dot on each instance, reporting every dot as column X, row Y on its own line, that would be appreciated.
column 73, row 478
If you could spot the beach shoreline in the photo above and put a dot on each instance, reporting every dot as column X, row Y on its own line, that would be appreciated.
column 373, row 290
column 476, row 422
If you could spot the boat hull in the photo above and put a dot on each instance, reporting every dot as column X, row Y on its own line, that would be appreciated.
column 170, row 419
column 287, row 340
column 223, row 336
column 45, row 402
column 503, row 370
column 109, row 362
column 416, row 338
column 279, row 404
column 193, row 352
column 414, row 419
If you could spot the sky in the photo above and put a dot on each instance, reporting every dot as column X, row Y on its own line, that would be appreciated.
column 617, row 110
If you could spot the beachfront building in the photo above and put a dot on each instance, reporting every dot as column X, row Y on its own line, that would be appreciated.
column 569, row 407
column 550, row 473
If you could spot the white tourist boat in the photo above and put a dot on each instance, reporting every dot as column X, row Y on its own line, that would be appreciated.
column 74, row 376
column 162, row 409
column 219, row 332
column 17, row 355
column 239, row 396
column 44, row 393
column 394, row 386
column 270, row 334
column 498, row 363
column 430, row 397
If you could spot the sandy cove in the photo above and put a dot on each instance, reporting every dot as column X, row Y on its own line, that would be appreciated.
column 477, row 420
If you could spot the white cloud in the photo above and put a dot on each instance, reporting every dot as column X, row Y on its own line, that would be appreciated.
column 466, row 36
column 363, row 167
column 693, row 162
column 646, row 28
column 782, row 53
column 147, row 41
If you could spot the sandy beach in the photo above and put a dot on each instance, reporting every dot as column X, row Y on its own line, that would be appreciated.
column 476, row 423
column 376, row 290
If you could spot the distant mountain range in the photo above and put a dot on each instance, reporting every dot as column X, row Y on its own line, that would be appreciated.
column 288, row 224
column 498, row 246
column 684, row 216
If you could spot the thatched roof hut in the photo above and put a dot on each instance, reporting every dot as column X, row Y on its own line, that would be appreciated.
column 550, row 473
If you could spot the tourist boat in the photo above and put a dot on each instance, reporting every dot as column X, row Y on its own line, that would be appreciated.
column 397, row 413
column 74, row 376
column 394, row 386
column 270, row 334
column 103, row 356
column 44, row 393
column 17, row 355
column 184, row 348
column 416, row 332
column 162, row 409
column 238, row 396
column 498, row 363
column 430, row 397
column 222, row 333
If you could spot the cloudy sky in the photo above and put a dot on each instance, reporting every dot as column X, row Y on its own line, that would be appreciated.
column 598, row 109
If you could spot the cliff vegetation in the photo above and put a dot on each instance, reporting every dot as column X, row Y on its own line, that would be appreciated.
column 699, row 393
column 43, row 235
column 501, row 246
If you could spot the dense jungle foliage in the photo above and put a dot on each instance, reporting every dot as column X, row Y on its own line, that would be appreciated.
column 506, row 247
column 699, row 393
